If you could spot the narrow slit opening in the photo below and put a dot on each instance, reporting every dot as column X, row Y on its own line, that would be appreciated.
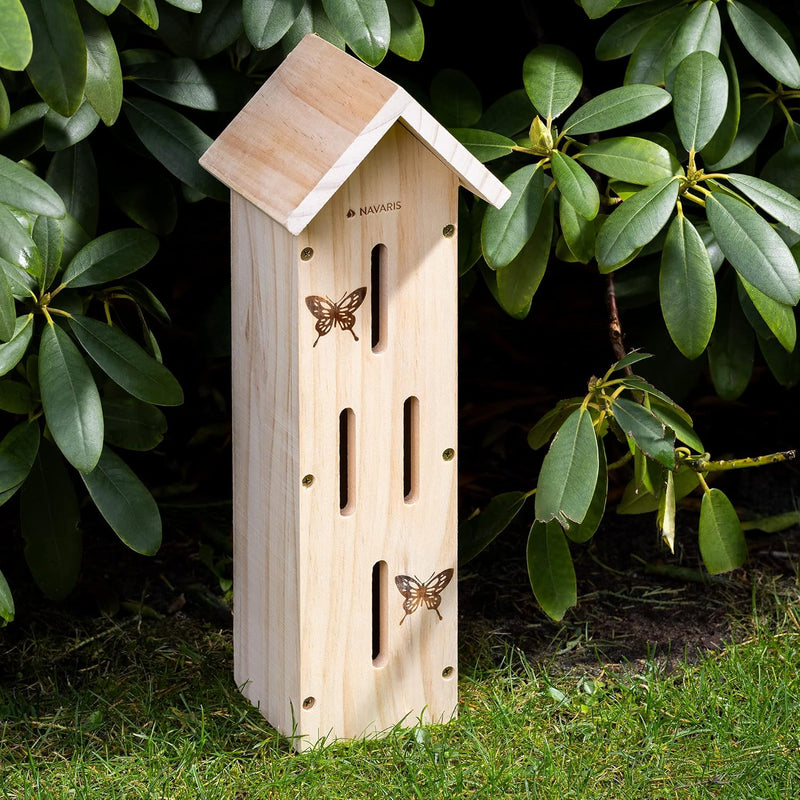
column 410, row 449
column 378, row 297
column 347, row 461
column 379, row 614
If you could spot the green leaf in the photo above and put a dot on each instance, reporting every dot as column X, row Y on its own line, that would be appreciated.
column 192, row 6
column 509, row 115
column 550, row 569
column 630, row 159
column 648, row 62
column 484, row 145
column 764, row 43
column 70, row 399
column 62, row 132
column 8, row 309
column 649, row 433
column 20, row 188
column 218, row 27
column 775, row 201
column 478, row 532
column 722, row 141
column 16, row 43
column 636, row 222
column 16, row 244
column 104, row 6
column 578, row 232
column 636, row 500
column 569, row 472
column 125, row 503
column 754, row 123
column 666, row 512
column 57, row 68
column 676, row 418
column 686, row 288
column 103, row 72
column 145, row 10
column 174, row 141
column 73, row 175
column 408, row 35
column 132, row 424
column 6, row 599
column 506, row 230
column 517, row 283
column 110, row 256
column 127, row 364
column 575, row 185
column 616, row 107
column 50, row 243
column 701, row 31
column 783, row 169
column 544, row 429
column 639, row 384
column 49, row 515
column 597, row 508
column 629, row 360
column 754, row 249
column 553, row 77
column 455, row 99
column 598, row 8
column 16, row 397
column 779, row 317
column 700, row 98
column 17, row 454
column 784, row 366
column 622, row 36
column 730, row 351
column 722, row 543
column 24, row 133
column 266, row 21
column 5, row 108
column 312, row 19
column 12, row 351
column 365, row 25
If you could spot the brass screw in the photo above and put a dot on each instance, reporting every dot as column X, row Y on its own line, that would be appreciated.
column 448, row 230
column 308, row 703
column 307, row 480
column 307, row 253
column 447, row 672
column 448, row 454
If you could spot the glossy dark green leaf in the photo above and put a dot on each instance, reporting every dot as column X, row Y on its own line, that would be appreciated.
column 700, row 31
column 578, row 232
column 147, row 301
column 509, row 115
column 785, row 367
column 584, row 531
column 553, row 77
column 617, row 107
column 50, row 242
column 756, row 251
column 636, row 222
column 629, row 360
column 132, row 424
column 550, row 569
column 126, row 363
column 18, row 451
column 70, row 399
column 676, row 418
column 455, row 99
column 783, row 169
column 575, row 185
column 266, row 21
column 192, row 6
column 775, row 201
column 19, row 187
column 125, row 503
column 7, row 610
column 11, row 352
column 73, row 175
column 778, row 317
column 506, row 230
column 57, row 67
column 478, row 532
column 8, row 309
column 103, row 72
column 649, row 433
column 24, row 132
column 724, row 137
column 730, row 351
column 49, row 516
column 110, row 256
column 622, row 36
column 62, row 132
column 16, row 43
column 648, row 62
column 176, row 142
column 312, row 19
column 541, row 433
column 722, row 543
column 630, row 159
column 639, row 384
column 569, row 472
column 687, row 290
column 217, row 27
column 365, row 25
column 16, row 244
column 408, row 35
column 700, row 98
column 16, row 397
column 517, row 283
column 764, row 43
column 484, row 145
column 754, row 123
column 145, row 10
column 598, row 8
column 104, row 6
column 5, row 108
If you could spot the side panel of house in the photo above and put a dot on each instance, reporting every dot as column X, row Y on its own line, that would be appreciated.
column 265, row 455
column 377, row 306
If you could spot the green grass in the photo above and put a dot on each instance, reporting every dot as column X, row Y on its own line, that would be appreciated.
column 146, row 708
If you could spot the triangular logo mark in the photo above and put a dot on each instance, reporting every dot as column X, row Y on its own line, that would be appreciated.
column 351, row 213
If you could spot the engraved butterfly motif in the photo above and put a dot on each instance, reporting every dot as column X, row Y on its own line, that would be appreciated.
column 416, row 592
column 330, row 314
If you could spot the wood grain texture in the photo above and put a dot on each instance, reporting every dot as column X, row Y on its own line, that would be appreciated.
column 312, row 123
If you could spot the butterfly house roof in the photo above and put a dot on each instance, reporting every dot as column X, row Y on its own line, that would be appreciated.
column 312, row 123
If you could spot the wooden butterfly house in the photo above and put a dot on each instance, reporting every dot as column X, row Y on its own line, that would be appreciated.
column 344, row 291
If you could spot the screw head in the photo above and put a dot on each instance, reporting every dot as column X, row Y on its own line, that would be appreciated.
column 449, row 454
column 308, row 703
column 448, row 230
column 307, row 253
column 447, row 672
column 307, row 480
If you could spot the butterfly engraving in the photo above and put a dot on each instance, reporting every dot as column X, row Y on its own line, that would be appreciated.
column 416, row 593
column 330, row 314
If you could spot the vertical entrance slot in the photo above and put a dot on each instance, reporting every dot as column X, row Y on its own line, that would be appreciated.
column 410, row 449
column 347, row 461
column 379, row 614
column 378, row 297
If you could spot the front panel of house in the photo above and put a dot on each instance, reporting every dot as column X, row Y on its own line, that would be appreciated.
column 377, row 297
